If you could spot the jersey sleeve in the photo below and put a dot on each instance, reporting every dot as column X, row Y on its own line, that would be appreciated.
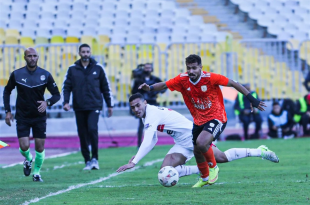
column 174, row 84
column 217, row 79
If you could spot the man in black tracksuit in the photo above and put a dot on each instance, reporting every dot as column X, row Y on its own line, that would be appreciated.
column 150, row 97
column 31, row 82
column 87, row 81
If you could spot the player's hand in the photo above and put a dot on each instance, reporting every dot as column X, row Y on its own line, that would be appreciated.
column 9, row 118
column 308, row 113
column 125, row 167
column 260, row 106
column 247, row 111
column 110, row 111
column 66, row 107
column 132, row 158
column 145, row 87
column 43, row 106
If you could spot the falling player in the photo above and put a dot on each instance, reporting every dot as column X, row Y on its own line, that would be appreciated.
column 204, row 99
column 180, row 128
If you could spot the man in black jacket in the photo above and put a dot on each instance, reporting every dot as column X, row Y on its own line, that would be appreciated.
column 150, row 97
column 280, row 123
column 243, row 109
column 87, row 80
column 31, row 82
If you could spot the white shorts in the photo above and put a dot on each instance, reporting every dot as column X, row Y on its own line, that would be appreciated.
column 187, row 152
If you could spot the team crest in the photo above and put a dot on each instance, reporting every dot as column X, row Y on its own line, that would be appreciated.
column 204, row 88
column 42, row 77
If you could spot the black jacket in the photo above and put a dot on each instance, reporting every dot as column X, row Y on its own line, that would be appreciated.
column 150, row 97
column 87, row 86
column 30, row 89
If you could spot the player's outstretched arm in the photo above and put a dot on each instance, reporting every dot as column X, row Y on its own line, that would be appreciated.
column 254, row 102
column 155, row 87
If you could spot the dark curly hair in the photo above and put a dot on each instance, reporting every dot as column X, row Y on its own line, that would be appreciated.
column 193, row 59
column 135, row 96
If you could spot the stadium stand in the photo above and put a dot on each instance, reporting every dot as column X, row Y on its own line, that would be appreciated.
column 125, row 33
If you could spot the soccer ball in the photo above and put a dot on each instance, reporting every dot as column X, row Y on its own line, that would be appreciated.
column 168, row 176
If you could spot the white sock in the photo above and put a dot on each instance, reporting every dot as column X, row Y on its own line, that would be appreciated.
column 187, row 170
column 238, row 153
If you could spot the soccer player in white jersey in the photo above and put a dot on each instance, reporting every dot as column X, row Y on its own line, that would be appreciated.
column 180, row 128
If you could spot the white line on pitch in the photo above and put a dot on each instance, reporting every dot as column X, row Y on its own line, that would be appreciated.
column 89, row 183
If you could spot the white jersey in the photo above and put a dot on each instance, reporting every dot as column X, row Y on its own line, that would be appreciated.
column 164, row 120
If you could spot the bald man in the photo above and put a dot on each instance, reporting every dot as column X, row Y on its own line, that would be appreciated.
column 31, row 82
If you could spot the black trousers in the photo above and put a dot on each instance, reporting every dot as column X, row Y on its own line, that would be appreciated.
column 305, row 120
column 87, row 127
column 274, row 133
column 247, row 119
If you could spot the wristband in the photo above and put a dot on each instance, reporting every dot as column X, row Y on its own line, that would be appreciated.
column 151, row 88
column 253, row 100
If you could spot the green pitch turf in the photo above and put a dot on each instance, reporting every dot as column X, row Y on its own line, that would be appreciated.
column 245, row 181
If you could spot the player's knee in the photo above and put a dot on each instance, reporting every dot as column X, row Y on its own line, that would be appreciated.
column 221, row 158
column 24, row 147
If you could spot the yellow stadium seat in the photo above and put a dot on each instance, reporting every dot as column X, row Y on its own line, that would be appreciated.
column 90, row 40
column 2, row 35
column 103, row 39
column 57, row 39
column 72, row 39
column 26, row 41
column 11, row 40
column 41, row 40
column 12, row 32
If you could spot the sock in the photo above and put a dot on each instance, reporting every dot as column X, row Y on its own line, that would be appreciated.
column 238, row 153
column 26, row 154
column 38, row 162
column 187, row 170
column 204, row 169
column 209, row 155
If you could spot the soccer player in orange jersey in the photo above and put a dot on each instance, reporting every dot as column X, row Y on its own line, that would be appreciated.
column 204, row 99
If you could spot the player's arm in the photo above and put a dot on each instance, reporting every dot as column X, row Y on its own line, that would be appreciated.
column 53, row 89
column 6, row 99
column 155, row 87
column 149, row 141
column 254, row 102
column 66, row 90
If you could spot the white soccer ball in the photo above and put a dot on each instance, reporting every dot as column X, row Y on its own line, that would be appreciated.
column 168, row 176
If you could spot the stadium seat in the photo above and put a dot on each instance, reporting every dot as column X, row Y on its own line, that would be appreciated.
column 41, row 40
column 32, row 17
column 168, row 5
column 16, row 16
column 108, row 5
column 118, row 39
column 58, row 32
column 62, row 16
column 148, row 30
column 28, row 32
column 137, row 14
column 147, row 38
column 119, row 30
column 164, row 30
column 89, row 31
column 57, row 39
column 43, row 33
column 72, row 39
column 11, row 40
column 123, row 5
column 138, row 5
column 104, row 31
column 45, row 24
column 12, row 32
column 74, row 31
column 26, row 41
column 133, row 39
column 177, row 37
column 15, row 24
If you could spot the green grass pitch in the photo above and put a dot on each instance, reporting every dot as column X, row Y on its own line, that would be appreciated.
column 245, row 181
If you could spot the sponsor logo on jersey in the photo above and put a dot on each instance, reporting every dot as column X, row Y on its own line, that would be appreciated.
column 42, row 77
column 204, row 88
column 24, row 80
column 94, row 73
column 202, row 103
column 54, row 84
column 189, row 89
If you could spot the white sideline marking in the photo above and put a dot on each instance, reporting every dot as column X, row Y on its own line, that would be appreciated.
column 90, row 183
column 67, row 165
column 50, row 157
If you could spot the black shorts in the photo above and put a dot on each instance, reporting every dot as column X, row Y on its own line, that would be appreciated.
column 38, row 128
column 215, row 127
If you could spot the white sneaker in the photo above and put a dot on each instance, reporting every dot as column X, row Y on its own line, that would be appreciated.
column 88, row 166
column 268, row 154
column 288, row 136
column 94, row 164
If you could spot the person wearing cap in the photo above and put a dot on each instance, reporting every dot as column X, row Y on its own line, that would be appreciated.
column 280, row 123
column 302, row 114
column 242, row 108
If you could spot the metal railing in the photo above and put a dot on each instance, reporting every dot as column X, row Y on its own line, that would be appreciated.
column 271, row 66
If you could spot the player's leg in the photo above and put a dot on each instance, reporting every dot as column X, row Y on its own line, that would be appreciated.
column 23, row 132
column 177, row 157
column 39, row 134
column 93, row 118
column 81, row 123
column 258, row 124
column 245, row 123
